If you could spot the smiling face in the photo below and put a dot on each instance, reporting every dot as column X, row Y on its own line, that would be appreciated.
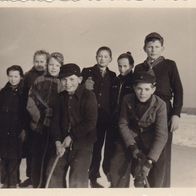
column 153, row 49
column 70, row 83
column 53, row 67
column 14, row 77
column 144, row 91
column 103, row 58
column 124, row 67
column 40, row 62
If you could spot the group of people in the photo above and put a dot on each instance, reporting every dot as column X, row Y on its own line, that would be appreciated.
column 59, row 118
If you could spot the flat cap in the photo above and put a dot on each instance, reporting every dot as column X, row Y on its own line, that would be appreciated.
column 153, row 35
column 144, row 77
column 68, row 70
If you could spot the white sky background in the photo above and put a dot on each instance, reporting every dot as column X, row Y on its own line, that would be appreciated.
column 79, row 32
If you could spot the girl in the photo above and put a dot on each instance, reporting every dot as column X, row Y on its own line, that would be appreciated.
column 114, row 145
column 12, row 113
column 41, row 100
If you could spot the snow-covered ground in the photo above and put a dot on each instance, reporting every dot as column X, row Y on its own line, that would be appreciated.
column 186, row 134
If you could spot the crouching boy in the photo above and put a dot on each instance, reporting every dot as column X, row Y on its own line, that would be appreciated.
column 143, row 126
column 74, row 129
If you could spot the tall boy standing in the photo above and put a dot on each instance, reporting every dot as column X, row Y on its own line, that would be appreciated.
column 99, row 79
column 168, row 87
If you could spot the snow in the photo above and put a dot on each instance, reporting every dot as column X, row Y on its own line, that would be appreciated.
column 186, row 134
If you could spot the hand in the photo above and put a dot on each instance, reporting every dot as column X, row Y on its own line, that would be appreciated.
column 60, row 150
column 145, row 170
column 174, row 123
column 67, row 142
column 22, row 135
column 89, row 83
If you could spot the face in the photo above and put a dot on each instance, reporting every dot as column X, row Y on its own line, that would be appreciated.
column 53, row 67
column 71, row 83
column 14, row 77
column 153, row 49
column 103, row 58
column 40, row 62
column 124, row 67
column 144, row 91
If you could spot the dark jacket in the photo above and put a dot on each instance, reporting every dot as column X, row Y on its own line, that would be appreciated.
column 30, row 77
column 102, row 87
column 150, row 131
column 168, row 84
column 12, row 113
column 79, row 112
column 121, row 86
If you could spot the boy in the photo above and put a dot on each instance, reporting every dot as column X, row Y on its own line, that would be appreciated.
column 99, row 79
column 74, row 129
column 40, row 61
column 12, row 114
column 169, row 87
column 143, row 126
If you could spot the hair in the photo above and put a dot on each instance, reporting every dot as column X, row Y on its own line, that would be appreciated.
column 57, row 56
column 104, row 48
column 128, row 56
column 153, row 37
column 41, row 52
column 15, row 68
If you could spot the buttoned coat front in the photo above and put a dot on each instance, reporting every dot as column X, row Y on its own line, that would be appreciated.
column 150, row 130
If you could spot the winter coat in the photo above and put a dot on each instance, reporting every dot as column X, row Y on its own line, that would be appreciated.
column 41, row 101
column 150, row 130
column 12, row 117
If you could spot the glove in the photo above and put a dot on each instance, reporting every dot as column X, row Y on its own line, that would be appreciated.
column 136, row 153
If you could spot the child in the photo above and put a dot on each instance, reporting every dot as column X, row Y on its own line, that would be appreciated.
column 40, row 104
column 168, row 88
column 99, row 79
column 121, row 86
column 143, row 126
column 74, row 128
column 40, row 60
column 12, row 110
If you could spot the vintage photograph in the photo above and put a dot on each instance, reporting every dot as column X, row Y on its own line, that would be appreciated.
column 97, row 97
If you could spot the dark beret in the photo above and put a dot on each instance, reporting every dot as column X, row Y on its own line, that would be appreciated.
column 68, row 70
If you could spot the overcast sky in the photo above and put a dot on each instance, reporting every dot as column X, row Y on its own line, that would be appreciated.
column 79, row 32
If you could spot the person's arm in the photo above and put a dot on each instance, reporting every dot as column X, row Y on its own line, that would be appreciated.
column 125, row 131
column 89, row 121
column 161, row 133
column 177, row 90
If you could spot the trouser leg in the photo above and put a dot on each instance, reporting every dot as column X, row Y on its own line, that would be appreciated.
column 79, row 166
column 97, row 150
column 120, row 168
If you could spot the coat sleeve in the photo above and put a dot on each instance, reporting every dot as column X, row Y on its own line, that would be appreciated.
column 161, row 133
column 125, row 131
column 56, row 120
column 177, row 90
column 88, row 123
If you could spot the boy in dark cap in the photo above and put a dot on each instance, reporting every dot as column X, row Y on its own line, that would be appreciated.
column 169, row 88
column 74, row 129
column 143, row 126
